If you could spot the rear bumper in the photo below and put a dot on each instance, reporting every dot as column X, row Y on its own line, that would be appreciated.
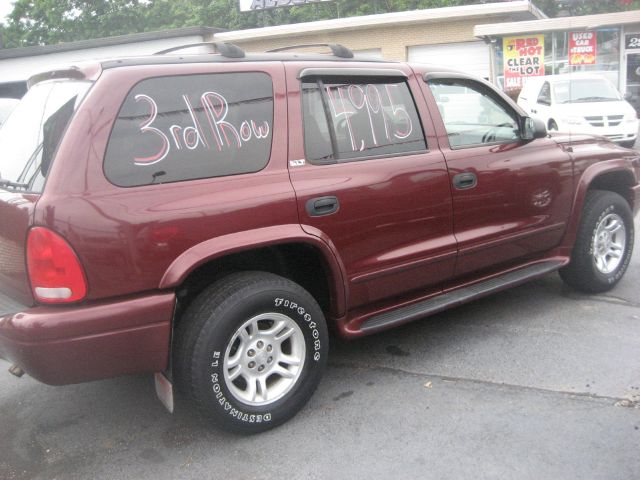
column 72, row 344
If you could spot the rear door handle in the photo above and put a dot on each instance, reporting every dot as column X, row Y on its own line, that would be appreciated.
column 465, row 180
column 319, row 206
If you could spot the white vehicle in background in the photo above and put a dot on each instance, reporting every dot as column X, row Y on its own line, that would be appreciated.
column 581, row 103
column 6, row 107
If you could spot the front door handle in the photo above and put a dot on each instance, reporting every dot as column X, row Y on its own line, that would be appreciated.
column 465, row 180
column 319, row 206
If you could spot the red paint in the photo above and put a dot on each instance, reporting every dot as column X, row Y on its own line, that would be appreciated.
column 402, row 233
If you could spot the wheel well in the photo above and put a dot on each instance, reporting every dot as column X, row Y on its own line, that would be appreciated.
column 551, row 120
column 618, row 182
column 301, row 263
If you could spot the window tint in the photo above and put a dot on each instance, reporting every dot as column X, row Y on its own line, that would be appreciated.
column 188, row 127
column 545, row 94
column 31, row 134
column 354, row 119
column 472, row 115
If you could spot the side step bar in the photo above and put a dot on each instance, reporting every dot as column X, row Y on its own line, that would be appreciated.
column 457, row 297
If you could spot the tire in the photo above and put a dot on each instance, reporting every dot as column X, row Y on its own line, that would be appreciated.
column 606, row 227
column 230, row 338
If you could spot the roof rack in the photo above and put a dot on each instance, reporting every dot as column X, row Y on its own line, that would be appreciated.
column 337, row 49
column 228, row 50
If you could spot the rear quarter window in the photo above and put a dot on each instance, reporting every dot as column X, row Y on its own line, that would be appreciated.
column 188, row 127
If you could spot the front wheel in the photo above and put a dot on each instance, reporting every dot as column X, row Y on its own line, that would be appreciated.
column 251, row 350
column 603, row 245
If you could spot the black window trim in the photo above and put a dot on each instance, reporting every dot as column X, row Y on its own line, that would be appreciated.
column 349, row 74
column 500, row 98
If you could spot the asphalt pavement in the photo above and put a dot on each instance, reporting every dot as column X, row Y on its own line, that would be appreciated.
column 538, row 382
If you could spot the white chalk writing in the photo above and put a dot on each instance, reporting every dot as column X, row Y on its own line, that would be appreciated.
column 222, row 134
column 369, row 113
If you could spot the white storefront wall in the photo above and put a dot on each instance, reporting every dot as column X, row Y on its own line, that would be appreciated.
column 470, row 57
column 21, row 68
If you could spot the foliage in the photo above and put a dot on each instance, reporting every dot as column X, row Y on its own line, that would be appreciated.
column 40, row 22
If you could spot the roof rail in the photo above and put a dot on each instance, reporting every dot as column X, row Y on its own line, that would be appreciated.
column 336, row 49
column 228, row 50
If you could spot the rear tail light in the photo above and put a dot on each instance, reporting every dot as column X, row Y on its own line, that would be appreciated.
column 54, row 269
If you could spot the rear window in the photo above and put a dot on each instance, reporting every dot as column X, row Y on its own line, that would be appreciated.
column 31, row 134
column 191, row 126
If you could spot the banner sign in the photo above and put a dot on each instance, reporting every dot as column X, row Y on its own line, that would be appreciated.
column 582, row 48
column 253, row 5
column 522, row 57
column 632, row 40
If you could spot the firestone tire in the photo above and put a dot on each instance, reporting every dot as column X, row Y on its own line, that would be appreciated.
column 604, row 243
column 251, row 350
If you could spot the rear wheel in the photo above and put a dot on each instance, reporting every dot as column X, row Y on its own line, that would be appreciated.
column 251, row 350
column 603, row 245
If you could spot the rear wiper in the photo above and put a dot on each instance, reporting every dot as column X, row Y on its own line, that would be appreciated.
column 8, row 183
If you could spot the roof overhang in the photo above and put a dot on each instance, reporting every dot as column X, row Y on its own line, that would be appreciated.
column 583, row 22
column 520, row 9
column 107, row 42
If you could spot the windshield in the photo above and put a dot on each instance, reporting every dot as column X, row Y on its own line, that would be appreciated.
column 31, row 134
column 585, row 90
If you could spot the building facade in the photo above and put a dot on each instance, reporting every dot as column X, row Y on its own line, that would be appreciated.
column 607, row 44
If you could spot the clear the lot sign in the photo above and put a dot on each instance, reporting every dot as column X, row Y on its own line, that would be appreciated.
column 252, row 5
column 523, row 57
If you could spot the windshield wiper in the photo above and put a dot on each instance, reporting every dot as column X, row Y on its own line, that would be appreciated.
column 8, row 183
column 595, row 99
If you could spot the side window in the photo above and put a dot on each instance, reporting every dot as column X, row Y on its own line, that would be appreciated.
column 191, row 126
column 352, row 119
column 472, row 115
column 544, row 97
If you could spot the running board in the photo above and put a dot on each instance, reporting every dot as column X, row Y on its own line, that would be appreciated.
column 457, row 297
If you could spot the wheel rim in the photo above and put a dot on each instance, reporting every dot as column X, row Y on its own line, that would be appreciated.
column 264, row 359
column 609, row 243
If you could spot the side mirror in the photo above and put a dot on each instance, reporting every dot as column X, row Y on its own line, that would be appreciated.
column 533, row 128
column 628, row 96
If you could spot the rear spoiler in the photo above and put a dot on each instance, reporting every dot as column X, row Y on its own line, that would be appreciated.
column 72, row 73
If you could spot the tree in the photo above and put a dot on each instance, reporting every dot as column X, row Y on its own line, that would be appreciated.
column 41, row 22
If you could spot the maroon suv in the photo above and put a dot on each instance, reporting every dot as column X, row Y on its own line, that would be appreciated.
column 209, row 216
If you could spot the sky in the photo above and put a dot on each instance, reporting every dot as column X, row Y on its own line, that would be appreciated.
column 5, row 8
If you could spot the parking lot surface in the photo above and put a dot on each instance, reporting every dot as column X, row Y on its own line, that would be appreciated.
column 538, row 382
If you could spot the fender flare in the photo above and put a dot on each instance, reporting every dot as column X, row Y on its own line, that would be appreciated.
column 218, row 247
column 582, row 186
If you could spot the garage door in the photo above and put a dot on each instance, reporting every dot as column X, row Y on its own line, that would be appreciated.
column 472, row 57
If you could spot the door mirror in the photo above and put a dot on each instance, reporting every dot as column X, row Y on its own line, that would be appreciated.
column 533, row 128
